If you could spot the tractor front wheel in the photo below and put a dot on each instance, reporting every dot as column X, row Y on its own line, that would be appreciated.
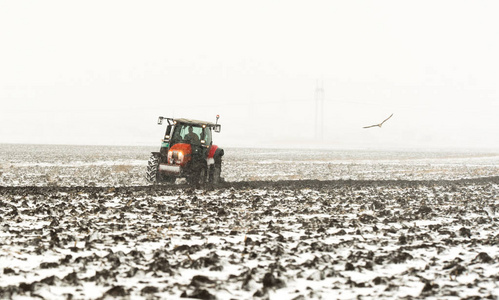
column 198, row 177
column 167, row 179
column 152, row 169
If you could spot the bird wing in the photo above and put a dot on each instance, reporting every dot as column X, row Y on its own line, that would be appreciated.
column 386, row 119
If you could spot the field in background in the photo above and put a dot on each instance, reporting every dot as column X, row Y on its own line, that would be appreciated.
column 59, row 165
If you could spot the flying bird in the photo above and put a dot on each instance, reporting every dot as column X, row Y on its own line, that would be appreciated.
column 379, row 125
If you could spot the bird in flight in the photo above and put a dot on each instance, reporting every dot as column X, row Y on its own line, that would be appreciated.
column 379, row 125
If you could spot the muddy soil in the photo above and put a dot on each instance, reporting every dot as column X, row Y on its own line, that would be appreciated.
column 252, row 239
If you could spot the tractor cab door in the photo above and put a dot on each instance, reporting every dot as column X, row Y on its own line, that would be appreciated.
column 206, row 140
column 206, row 137
column 175, row 136
column 166, row 142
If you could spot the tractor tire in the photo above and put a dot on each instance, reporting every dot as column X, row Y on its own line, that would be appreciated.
column 215, row 173
column 198, row 177
column 152, row 169
column 167, row 179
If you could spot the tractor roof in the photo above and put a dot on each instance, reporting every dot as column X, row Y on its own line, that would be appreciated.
column 194, row 122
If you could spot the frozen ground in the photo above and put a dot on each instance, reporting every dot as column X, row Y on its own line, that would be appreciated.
column 43, row 165
column 79, row 222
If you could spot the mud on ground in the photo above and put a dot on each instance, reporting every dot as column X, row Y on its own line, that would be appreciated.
column 241, row 240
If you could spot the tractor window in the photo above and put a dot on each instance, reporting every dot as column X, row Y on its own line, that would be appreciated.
column 190, row 133
column 175, row 135
column 168, row 130
column 207, row 136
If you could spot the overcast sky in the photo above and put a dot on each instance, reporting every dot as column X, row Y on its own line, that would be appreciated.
column 101, row 72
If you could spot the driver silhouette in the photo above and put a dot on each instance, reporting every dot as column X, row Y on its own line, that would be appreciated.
column 191, row 136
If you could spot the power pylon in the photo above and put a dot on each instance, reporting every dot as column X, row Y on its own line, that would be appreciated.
column 319, row 111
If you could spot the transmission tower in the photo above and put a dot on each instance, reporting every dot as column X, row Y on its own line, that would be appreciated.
column 319, row 111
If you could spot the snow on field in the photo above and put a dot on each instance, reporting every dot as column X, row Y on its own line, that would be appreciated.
column 49, row 165
column 80, row 222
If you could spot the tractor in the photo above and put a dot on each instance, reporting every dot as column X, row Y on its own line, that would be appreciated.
column 187, row 151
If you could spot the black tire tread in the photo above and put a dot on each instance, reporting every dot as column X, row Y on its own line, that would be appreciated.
column 152, row 169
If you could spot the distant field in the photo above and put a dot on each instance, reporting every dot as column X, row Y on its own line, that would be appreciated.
column 50, row 165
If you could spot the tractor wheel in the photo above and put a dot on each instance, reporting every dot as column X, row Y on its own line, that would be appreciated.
column 215, row 172
column 198, row 177
column 152, row 169
column 167, row 179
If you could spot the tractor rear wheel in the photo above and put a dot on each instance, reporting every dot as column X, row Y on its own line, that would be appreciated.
column 215, row 172
column 152, row 169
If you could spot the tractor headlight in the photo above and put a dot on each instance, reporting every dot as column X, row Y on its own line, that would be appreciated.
column 170, row 156
column 175, row 156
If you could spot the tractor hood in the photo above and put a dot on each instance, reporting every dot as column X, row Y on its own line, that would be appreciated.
column 179, row 154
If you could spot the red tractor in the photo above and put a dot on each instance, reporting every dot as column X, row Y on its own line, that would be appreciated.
column 187, row 151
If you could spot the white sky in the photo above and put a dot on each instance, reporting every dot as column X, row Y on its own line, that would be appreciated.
column 101, row 72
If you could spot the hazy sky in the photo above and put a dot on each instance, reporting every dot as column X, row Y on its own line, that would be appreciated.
column 101, row 72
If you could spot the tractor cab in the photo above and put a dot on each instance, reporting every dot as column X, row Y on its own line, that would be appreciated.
column 190, row 133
